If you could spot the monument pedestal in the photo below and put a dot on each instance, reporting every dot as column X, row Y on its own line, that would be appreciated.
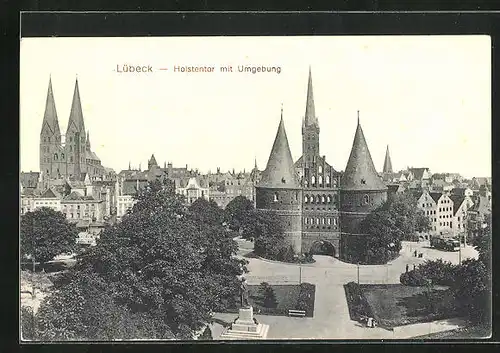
column 245, row 328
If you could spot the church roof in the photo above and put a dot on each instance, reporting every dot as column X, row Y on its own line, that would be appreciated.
column 50, row 117
column 360, row 173
column 76, row 113
column 310, row 116
column 387, row 162
column 280, row 172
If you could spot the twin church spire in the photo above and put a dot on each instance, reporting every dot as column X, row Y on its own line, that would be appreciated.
column 50, row 126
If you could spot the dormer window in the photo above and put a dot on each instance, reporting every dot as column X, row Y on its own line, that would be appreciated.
column 283, row 181
column 366, row 199
column 275, row 197
column 363, row 182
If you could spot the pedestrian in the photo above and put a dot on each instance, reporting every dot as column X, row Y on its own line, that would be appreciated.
column 407, row 266
column 415, row 253
column 413, row 267
column 369, row 322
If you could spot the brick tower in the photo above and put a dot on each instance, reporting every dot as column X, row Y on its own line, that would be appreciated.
column 362, row 190
column 279, row 190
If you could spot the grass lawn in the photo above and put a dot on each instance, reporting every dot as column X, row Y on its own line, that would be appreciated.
column 287, row 297
column 471, row 332
column 396, row 304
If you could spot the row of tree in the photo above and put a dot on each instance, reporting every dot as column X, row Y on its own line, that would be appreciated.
column 160, row 273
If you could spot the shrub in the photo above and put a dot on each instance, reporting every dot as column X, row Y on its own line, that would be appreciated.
column 358, row 305
column 267, row 296
column 206, row 335
column 439, row 272
column 304, row 301
column 27, row 323
column 413, row 278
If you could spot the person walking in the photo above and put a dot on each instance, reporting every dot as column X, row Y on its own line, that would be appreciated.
column 407, row 266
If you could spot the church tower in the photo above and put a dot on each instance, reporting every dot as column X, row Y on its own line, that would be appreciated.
column 362, row 190
column 50, row 138
column 387, row 162
column 279, row 190
column 75, row 138
column 310, row 128
column 152, row 162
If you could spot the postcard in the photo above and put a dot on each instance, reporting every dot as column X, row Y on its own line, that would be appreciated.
column 255, row 188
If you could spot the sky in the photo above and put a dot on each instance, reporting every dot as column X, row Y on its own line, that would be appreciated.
column 427, row 97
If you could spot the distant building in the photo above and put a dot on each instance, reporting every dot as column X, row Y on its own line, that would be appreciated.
column 461, row 205
column 77, row 207
column 193, row 191
column 443, row 222
column 50, row 198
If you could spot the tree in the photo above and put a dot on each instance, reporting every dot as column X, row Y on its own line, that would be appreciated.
column 167, row 261
column 482, row 242
column 268, row 232
column 85, row 308
column 46, row 233
column 207, row 212
column 238, row 213
column 395, row 220
column 473, row 290
column 267, row 296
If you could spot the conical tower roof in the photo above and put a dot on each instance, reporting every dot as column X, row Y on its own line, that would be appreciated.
column 360, row 173
column 279, row 172
column 50, row 117
column 76, row 114
column 310, row 116
column 387, row 162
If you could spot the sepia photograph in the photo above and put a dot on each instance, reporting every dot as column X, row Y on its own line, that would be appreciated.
column 255, row 188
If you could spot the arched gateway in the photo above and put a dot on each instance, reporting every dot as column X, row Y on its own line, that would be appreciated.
column 323, row 247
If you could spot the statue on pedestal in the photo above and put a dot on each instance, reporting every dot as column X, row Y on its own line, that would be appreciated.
column 244, row 294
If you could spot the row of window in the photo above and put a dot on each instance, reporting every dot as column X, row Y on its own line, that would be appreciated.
column 318, row 221
column 320, row 181
column 444, row 209
column 430, row 212
column 445, row 224
column 319, row 199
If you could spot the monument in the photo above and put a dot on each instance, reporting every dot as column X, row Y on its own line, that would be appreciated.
column 245, row 327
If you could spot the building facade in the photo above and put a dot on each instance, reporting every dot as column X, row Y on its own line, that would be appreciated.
column 316, row 204
column 71, row 156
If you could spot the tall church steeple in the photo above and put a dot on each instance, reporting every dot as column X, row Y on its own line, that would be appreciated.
column 50, row 125
column 280, row 172
column 310, row 127
column 76, row 136
column 50, row 137
column 76, row 114
column 387, row 162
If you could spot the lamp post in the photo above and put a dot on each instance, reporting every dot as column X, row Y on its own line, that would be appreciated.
column 358, row 271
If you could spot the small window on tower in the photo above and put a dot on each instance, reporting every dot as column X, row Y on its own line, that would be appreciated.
column 283, row 181
column 366, row 199
column 363, row 181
